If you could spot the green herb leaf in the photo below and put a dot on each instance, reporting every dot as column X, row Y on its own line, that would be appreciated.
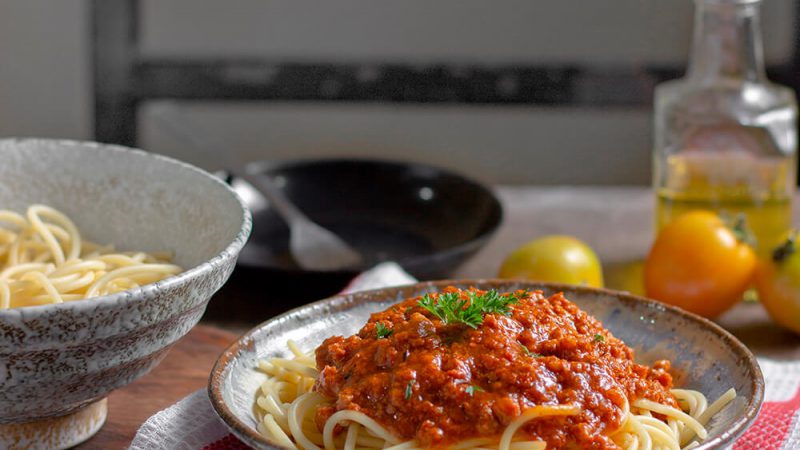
column 449, row 307
column 599, row 338
column 409, row 389
column 472, row 389
column 382, row 331
column 528, row 352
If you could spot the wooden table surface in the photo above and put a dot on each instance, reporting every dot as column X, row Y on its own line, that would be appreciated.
column 616, row 222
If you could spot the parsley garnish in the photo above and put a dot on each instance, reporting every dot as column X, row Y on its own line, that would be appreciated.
column 409, row 389
column 599, row 338
column 528, row 352
column 449, row 307
column 471, row 389
column 382, row 331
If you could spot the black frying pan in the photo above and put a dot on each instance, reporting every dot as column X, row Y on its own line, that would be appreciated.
column 427, row 219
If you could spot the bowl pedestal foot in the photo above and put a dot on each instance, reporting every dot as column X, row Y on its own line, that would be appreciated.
column 55, row 433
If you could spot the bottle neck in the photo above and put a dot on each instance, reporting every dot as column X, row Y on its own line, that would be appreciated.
column 727, row 42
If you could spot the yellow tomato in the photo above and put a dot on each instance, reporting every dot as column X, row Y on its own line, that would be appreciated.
column 699, row 264
column 558, row 259
column 778, row 285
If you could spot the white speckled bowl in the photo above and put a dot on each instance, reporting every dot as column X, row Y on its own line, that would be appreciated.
column 55, row 359
column 704, row 356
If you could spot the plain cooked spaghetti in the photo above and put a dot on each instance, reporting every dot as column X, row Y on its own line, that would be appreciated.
column 44, row 259
column 354, row 394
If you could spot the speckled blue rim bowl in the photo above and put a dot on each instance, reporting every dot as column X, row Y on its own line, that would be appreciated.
column 54, row 359
column 704, row 356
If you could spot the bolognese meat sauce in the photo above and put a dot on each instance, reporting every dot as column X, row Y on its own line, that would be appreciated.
column 441, row 382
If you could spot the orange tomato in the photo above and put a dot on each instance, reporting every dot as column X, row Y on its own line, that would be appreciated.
column 697, row 263
column 778, row 284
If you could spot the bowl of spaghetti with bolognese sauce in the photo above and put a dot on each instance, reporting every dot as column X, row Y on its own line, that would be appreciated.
column 487, row 364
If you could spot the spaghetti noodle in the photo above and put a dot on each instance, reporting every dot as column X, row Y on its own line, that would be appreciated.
column 304, row 404
column 44, row 259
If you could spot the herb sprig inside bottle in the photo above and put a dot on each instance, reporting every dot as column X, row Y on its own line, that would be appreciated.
column 451, row 308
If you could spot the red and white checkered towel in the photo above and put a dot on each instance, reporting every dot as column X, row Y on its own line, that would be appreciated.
column 191, row 424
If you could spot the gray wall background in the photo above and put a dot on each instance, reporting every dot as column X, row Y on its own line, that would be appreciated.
column 45, row 78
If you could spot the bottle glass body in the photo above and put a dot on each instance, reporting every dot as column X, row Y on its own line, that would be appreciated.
column 725, row 137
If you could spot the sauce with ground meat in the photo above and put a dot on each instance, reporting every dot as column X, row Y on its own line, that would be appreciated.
column 443, row 383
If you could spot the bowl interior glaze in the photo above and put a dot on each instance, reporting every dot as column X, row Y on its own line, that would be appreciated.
column 704, row 356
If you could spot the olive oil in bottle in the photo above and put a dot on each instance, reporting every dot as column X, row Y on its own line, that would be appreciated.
column 761, row 190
